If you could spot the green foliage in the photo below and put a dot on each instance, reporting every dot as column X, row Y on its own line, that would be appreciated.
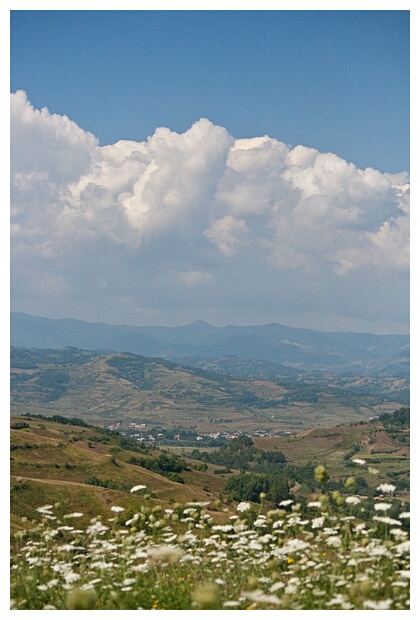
column 353, row 450
column 168, row 465
column 175, row 477
column 241, row 453
column 107, row 484
column 249, row 487
column 300, row 393
column 60, row 419
column 398, row 419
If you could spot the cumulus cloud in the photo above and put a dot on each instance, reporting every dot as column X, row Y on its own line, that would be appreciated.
column 227, row 233
column 191, row 204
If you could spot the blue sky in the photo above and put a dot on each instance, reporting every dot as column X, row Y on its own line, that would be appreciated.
column 333, row 80
column 239, row 167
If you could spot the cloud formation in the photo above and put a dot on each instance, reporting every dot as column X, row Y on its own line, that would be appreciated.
column 191, row 211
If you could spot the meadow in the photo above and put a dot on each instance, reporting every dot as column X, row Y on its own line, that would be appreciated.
column 324, row 557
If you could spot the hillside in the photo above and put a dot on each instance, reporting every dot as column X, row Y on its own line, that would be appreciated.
column 384, row 448
column 304, row 349
column 88, row 469
column 108, row 388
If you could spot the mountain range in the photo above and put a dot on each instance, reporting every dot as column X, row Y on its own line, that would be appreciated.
column 292, row 349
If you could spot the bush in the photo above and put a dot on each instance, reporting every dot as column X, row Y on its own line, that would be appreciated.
column 19, row 425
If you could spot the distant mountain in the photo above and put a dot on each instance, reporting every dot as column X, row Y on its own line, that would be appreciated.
column 104, row 388
column 302, row 349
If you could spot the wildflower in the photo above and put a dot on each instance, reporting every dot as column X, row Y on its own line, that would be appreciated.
column 286, row 502
column 223, row 528
column 403, row 547
column 386, row 604
column 404, row 515
column 71, row 577
column 291, row 546
column 243, row 507
column 206, row 596
column 135, row 518
column 139, row 487
column 333, row 541
column 352, row 499
column 73, row 515
column 318, row 522
column 386, row 488
column 387, row 520
column 258, row 596
column 128, row 582
column 117, row 509
column 97, row 528
column 382, row 506
column 340, row 599
column 359, row 461
column 45, row 510
column 376, row 550
column 373, row 470
column 168, row 554
column 314, row 504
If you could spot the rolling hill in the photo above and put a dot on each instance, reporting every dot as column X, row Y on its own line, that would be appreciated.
column 106, row 388
column 87, row 470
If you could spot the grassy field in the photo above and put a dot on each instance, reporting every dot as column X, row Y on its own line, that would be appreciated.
column 179, row 558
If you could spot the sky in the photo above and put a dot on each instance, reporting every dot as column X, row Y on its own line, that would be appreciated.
column 238, row 167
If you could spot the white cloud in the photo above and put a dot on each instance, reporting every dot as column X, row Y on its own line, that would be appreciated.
column 227, row 233
column 192, row 204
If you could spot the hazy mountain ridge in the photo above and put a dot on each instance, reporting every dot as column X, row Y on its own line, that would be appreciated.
column 303, row 349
